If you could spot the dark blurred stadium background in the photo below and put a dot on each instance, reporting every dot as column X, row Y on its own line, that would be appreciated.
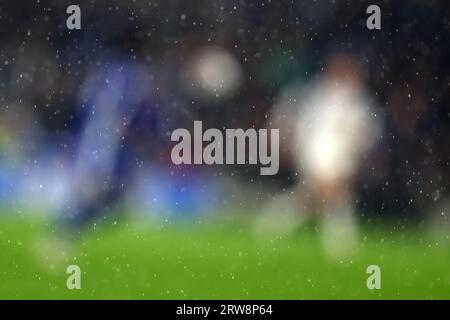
column 44, row 68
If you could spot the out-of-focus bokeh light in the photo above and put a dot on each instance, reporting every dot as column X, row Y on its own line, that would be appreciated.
column 213, row 73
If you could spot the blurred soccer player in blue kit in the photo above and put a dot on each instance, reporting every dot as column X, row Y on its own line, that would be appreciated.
column 123, row 129
column 109, row 101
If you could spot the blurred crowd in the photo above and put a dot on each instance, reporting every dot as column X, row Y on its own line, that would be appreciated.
column 86, row 115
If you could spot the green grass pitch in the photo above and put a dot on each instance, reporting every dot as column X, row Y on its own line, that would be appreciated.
column 140, row 260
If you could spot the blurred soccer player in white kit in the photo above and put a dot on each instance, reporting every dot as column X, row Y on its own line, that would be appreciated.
column 329, row 126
